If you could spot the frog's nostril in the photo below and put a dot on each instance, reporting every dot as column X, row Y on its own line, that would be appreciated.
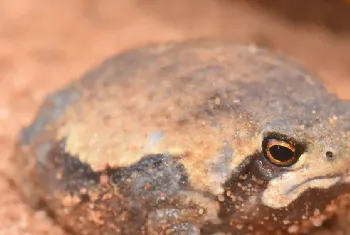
column 330, row 155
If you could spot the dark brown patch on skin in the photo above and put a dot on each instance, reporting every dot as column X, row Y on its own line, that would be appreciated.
column 133, row 191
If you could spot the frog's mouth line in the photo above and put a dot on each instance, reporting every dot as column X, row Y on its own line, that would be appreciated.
column 281, row 193
column 318, row 182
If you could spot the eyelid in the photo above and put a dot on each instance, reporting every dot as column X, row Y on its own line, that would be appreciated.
column 273, row 142
column 300, row 145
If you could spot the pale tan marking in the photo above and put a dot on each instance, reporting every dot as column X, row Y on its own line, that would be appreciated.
column 281, row 192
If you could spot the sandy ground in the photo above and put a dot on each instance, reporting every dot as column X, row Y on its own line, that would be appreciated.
column 44, row 44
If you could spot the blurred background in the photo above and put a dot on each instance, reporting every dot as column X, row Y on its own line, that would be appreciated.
column 44, row 44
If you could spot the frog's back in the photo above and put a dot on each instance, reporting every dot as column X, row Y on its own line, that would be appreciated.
column 156, row 95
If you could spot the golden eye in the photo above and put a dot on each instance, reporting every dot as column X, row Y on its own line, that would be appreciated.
column 280, row 152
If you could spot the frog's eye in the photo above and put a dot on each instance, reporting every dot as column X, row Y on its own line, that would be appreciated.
column 280, row 152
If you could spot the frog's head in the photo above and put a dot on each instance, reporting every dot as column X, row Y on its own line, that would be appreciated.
column 315, row 157
column 299, row 163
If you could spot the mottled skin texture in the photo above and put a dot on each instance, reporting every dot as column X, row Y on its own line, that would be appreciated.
column 168, row 139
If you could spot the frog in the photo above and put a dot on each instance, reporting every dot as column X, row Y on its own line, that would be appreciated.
column 199, row 137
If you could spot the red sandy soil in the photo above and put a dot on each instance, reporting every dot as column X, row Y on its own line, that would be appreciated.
column 44, row 44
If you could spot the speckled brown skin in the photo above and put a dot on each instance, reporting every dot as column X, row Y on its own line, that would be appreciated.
column 168, row 139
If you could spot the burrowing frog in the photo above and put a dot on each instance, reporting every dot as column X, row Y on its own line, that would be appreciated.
column 189, row 138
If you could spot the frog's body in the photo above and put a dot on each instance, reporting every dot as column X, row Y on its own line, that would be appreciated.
column 175, row 139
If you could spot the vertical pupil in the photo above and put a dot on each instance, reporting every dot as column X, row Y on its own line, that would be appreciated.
column 281, row 153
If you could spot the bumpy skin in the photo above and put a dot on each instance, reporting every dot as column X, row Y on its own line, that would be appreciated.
column 168, row 139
